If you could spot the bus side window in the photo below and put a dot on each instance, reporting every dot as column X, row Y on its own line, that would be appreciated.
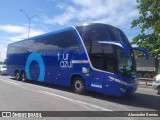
column 38, row 45
column 64, row 40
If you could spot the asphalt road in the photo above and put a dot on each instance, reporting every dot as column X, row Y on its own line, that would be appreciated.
column 33, row 96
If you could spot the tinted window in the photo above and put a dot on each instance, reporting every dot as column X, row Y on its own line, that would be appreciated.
column 11, row 49
column 17, row 48
column 91, row 36
column 101, row 33
column 102, row 56
column 37, row 45
column 23, row 47
column 64, row 40
column 20, row 47
column 105, row 62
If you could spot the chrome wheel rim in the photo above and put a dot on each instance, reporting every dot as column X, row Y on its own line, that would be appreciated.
column 79, row 85
column 17, row 76
column 23, row 77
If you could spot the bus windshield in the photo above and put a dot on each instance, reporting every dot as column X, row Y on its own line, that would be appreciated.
column 107, row 57
column 126, row 65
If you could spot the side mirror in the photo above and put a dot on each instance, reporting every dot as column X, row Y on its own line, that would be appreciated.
column 123, row 45
column 142, row 50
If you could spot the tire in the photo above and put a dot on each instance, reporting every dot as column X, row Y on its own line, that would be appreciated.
column 158, row 90
column 140, row 75
column 23, row 77
column 17, row 76
column 152, row 75
column 146, row 75
column 78, row 85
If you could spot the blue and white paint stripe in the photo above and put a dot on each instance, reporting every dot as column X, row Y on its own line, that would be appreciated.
column 80, row 61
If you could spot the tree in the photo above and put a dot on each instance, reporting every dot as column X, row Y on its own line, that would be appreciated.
column 149, row 24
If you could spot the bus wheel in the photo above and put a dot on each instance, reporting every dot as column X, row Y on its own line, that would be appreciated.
column 140, row 75
column 23, row 76
column 17, row 76
column 78, row 85
column 147, row 75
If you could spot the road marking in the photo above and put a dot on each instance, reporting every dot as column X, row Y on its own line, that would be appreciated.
column 13, row 83
column 75, row 101
column 62, row 97
column 59, row 96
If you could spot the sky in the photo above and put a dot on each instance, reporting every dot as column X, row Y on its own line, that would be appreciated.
column 52, row 15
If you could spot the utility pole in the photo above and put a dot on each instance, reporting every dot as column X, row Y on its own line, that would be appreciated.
column 29, row 19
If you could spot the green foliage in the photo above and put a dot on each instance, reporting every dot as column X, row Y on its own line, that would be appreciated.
column 149, row 23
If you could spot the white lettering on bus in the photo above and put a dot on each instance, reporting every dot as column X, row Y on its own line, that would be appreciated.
column 64, row 60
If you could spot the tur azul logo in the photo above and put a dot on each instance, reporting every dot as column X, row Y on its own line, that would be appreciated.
column 35, row 57
column 64, row 60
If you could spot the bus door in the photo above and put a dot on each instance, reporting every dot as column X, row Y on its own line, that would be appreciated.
column 96, row 76
column 104, row 64
column 96, row 81
column 111, row 69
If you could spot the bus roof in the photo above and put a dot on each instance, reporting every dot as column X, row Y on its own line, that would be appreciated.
column 65, row 29
column 42, row 35
column 96, row 24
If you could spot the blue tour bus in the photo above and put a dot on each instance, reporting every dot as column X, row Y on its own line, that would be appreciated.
column 94, row 57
